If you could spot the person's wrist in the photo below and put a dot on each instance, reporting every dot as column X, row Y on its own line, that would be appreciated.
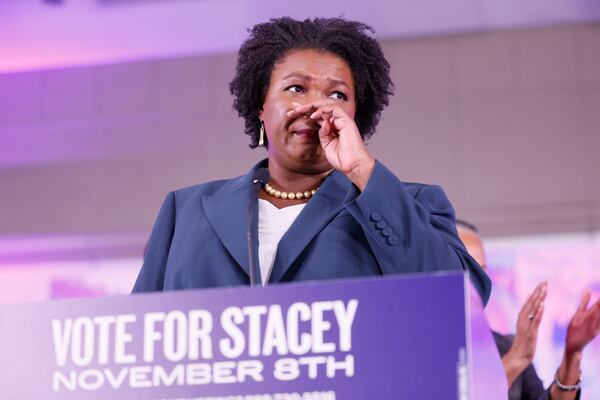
column 573, row 355
column 516, row 362
column 519, row 352
column 568, row 384
column 361, row 172
column 569, row 372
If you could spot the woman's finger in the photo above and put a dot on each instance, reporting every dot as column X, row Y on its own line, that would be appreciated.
column 325, row 133
column 585, row 299
column 308, row 108
column 529, row 308
column 332, row 113
column 538, row 302
column 538, row 316
column 319, row 112
column 298, row 110
column 595, row 318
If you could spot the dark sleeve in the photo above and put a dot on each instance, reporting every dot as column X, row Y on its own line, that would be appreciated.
column 528, row 385
column 152, row 275
column 532, row 387
column 412, row 233
column 503, row 342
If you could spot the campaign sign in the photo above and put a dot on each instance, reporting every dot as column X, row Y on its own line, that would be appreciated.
column 379, row 338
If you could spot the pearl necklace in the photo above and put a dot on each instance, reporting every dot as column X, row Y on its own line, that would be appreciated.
column 289, row 195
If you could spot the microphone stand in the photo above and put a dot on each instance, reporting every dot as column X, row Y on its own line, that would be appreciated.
column 260, row 178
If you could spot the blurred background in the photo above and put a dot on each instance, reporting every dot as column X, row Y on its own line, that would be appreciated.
column 106, row 105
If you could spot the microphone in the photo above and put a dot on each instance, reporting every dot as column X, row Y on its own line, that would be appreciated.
column 259, row 179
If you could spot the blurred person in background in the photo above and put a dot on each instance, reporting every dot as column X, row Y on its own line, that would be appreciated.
column 517, row 351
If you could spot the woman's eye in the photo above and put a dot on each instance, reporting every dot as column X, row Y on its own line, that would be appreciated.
column 295, row 88
column 339, row 96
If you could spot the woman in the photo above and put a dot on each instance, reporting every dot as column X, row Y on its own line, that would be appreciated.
column 310, row 92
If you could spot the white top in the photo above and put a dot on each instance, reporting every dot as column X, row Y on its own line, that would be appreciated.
column 273, row 223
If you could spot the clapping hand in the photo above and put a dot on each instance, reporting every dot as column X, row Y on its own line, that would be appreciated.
column 584, row 325
column 522, row 350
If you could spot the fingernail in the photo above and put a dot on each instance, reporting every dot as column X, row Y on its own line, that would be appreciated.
column 296, row 104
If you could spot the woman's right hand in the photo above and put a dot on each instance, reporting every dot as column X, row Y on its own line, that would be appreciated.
column 522, row 350
column 340, row 138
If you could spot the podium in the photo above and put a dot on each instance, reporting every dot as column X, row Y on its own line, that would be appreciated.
column 404, row 337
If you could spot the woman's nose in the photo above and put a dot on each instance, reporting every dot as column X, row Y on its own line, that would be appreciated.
column 317, row 95
column 310, row 96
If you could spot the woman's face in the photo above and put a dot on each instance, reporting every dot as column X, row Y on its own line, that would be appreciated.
column 303, row 76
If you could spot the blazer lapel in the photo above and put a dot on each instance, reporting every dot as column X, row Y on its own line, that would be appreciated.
column 227, row 213
column 319, row 211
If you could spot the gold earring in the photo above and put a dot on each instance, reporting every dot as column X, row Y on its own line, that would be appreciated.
column 261, row 135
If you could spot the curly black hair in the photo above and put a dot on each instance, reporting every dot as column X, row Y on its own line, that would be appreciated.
column 271, row 41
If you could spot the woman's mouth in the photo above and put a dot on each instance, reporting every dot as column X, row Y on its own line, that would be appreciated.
column 307, row 132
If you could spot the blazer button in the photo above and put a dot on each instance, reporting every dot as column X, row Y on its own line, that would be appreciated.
column 375, row 216
column 392, row 240
column 387, row 231
column 381, row 224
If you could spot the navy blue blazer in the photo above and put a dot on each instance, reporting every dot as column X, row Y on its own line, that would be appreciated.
column 199, row 239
